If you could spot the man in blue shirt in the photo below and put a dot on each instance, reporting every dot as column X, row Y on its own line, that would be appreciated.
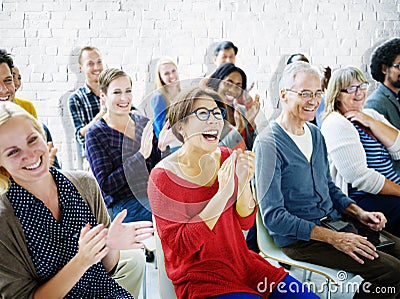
column 295, row 191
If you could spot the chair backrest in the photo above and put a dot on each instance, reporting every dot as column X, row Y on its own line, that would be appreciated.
column 270, row 250
column 165, row 286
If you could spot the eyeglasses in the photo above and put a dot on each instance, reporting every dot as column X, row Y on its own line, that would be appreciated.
column 203, row 113
column 353, row 89
column 235, row 87
column 396, row 65
column 308, row 95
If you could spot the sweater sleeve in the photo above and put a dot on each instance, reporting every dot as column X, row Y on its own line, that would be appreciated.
column 112, row 179
column 18, row 278
column 76, row 114
column 160, row 112
column 88, row 188
column 181, row 234
column 246, row 222
column 348, row 156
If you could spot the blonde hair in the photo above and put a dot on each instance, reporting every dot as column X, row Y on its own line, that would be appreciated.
column 340, row 79
column 8, row 111
column 159, row 84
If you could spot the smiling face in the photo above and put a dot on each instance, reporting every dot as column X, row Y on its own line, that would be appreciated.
column 352, row 101
column 17, row 78
column 118, row 99
column 91, row 65
column 202, row 134
column 23, row 151
column 225, row 55
column 168, row 74
column 392, row 75
column 7, row 88
column 230, row 88
column 298, row 108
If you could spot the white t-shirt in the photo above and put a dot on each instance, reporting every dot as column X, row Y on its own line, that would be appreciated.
column 303, row 142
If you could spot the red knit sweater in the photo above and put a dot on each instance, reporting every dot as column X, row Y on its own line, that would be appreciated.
column 199, row 261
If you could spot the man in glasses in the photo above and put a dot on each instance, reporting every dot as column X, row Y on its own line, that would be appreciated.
column 385, row 68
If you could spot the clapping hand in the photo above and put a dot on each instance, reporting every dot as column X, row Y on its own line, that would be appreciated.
column 128, row 235
column 92, row 244
column 252, row 111
column 244, row 168
column 226, row 178
column 146, row 143
column 52, row 153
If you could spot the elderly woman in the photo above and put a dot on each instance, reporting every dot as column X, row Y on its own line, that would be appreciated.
column 361, row 144
column 56, row 239
column 201, row 199
column 296, row 191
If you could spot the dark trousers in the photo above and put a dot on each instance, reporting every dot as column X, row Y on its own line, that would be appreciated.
column 387, row 204
column 138, row 210
column 381, row 272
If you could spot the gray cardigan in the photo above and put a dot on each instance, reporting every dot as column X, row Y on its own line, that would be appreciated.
column 293, row 193
column 386, row 103
column 18, row 278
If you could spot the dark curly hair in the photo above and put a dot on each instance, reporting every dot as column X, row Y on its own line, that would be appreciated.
column 385, row 54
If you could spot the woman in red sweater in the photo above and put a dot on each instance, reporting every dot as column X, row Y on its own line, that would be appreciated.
column 201, row 198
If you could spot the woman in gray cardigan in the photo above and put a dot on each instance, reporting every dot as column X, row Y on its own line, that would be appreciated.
column 56, row 240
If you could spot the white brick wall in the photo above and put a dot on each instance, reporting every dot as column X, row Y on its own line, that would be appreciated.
column 45, row 37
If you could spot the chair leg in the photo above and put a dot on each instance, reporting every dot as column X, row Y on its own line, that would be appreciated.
column 155, row 260
column 304, row 276
column 328, row 289
column 144, row 282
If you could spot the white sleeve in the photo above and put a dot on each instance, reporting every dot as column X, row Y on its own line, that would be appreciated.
column 347, row 154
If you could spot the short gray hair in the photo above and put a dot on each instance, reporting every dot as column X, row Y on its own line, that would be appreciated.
column 291, row 70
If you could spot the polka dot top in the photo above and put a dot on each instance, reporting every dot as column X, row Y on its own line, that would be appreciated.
column 52, row 244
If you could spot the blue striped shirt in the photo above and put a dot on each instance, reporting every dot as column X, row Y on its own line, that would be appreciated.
column 378, row 158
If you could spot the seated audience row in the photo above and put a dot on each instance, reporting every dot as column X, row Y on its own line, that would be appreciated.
column 295, row 192
column 201, row 190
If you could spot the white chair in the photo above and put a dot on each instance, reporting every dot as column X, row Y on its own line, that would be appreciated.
column 271, row 251
column 165, row 286
column 149, row 245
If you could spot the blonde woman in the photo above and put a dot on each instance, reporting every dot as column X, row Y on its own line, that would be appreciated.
column 57, row 240
column 168, row 87
column 361, row 144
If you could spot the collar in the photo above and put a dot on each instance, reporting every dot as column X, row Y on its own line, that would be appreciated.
column 391, row 91
column 87, row 89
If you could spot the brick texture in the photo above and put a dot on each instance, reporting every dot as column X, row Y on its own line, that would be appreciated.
column 45, row 36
